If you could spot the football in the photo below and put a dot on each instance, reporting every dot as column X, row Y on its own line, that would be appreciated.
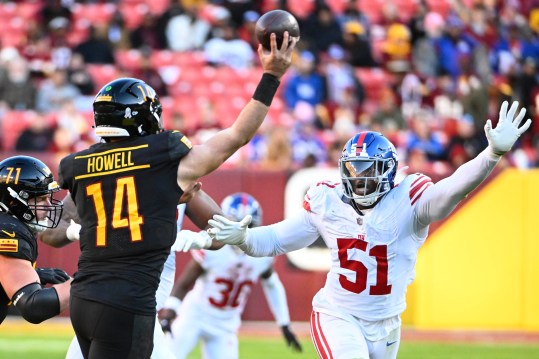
column 276, row 21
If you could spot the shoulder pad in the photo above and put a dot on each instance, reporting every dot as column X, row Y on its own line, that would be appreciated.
column 416, row 184
column 179, row 144
column 316, row 193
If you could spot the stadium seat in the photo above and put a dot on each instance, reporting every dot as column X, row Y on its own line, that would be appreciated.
column 440, row 6
column 7, row 11
column 102, row 74
column 133, row 13
column 28, row 9
column 14, row 122
column 154, row 6
column 88, row 14
column 374, row 81
column 128, row 60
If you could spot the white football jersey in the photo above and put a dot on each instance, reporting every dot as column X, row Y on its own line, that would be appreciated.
column 373, row 256
column 220, row 293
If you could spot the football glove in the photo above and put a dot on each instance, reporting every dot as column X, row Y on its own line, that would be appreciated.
column 52, row 275
column 507, row 132
column 229, row 232
column 187, row 240
column 291, row 339
column 72, row 232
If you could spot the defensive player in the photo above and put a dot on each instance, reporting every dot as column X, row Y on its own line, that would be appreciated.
column 126, row 190
column 374, row 230
column 28, row 206
column 222, row 281
column 199, row 209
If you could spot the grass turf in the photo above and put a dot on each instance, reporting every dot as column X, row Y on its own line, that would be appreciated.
column 53, row 342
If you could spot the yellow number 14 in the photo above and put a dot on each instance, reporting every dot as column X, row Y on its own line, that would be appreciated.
column 125, row 188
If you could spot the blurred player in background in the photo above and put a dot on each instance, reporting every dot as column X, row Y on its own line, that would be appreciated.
column 27, row 207
column 222, row 281
column 374, row 230
column 199, row 208
column 126, row 189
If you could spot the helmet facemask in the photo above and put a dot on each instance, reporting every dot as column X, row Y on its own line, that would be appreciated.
column 368, row 166
column 365, row 180
column 25, row 206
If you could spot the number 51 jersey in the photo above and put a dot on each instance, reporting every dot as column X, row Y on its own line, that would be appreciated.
column 372, row 255
column 126, row 193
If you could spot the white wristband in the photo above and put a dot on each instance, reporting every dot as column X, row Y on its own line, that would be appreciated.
column 72, row 232
column 173, row 303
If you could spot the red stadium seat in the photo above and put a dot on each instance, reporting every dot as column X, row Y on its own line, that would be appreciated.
column 14, row 122
column 128, row 60
column 374, row 81
column 7, row 11
column 133, row 13
column 192, row 59
column 154, row 6
column 89, row 14
column 373, row 9
column 440, row 6
column 28, row 10
column 102, row 74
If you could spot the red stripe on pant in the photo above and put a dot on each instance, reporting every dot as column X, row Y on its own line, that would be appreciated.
column 319, row 340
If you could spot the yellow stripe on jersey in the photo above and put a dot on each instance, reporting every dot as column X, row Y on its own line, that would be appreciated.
column 9, row 245
column 111, row 172
column 111, row 151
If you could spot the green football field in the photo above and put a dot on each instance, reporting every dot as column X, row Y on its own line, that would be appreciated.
column 51, row 342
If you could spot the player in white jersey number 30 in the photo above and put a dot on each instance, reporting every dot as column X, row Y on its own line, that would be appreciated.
column 374, row 230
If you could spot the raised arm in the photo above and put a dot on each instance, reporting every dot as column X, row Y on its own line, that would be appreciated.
column 439, row 200
column 206, row 157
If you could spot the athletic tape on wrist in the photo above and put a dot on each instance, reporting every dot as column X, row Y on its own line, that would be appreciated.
column 266, row 89
column 173, row 303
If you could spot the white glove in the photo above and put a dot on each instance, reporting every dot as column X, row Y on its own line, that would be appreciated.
column 507, row 132
column 227, row 231
column 187, row 240
column 72, row 232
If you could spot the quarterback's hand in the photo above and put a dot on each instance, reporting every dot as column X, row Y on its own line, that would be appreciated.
column 291, row 339
column 187, row 240
column 52, row 275
column 507, row 132
column 227, row 231
column 72, row 232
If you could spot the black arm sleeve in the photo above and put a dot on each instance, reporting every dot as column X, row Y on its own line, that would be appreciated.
column 35, row 303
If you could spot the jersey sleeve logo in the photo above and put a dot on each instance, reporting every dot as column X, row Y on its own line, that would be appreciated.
column 186, row 142
column 11, row 234
column 419, row 186
column 9, row 245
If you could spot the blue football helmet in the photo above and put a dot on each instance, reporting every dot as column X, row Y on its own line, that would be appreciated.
column 368, row 166
column 238, row 205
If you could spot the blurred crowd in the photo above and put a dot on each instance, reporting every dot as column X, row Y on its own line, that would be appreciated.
column 426, row 73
